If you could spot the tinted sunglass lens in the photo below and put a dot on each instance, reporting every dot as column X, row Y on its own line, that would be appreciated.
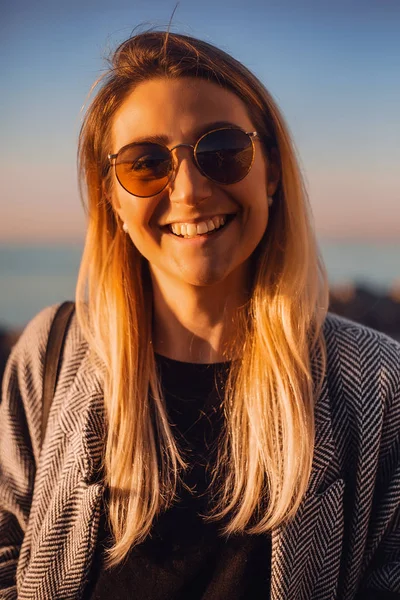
column 143, row 169
column 225, row 156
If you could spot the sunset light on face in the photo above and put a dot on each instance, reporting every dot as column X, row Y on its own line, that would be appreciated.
column 177, row 109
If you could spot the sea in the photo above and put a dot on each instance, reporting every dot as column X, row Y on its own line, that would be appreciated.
column 32, row 277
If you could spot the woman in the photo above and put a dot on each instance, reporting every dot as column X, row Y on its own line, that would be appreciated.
column 214, row 433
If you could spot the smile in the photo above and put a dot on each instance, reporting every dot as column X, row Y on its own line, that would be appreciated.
column 191, row 230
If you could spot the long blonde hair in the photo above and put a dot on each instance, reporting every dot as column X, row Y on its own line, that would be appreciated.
column 266, row 451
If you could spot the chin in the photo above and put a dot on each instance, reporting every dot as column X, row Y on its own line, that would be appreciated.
column 204, row 280
column 206, row 277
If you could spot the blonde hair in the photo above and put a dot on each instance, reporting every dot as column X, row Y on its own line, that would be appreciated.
column 265, row 455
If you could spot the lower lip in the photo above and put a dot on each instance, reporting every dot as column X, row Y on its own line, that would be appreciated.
column 203, row 238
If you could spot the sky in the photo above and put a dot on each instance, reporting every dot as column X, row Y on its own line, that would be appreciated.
column 333, row 68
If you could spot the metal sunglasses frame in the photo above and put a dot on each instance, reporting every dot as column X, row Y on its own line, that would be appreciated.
column 252, row 135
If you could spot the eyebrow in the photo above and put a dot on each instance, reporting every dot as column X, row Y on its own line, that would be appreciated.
column 198, row 132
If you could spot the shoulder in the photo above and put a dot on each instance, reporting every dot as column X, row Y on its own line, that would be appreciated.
column 354, row 344
column 25, row 366
column 26, row 360
column 30, row 349
column 340, row 326
column 22, row 385
column 362, row 373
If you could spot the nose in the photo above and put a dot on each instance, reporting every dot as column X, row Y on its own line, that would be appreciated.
column 188, row 184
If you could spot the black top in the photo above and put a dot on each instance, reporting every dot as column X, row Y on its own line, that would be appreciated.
column 185, row 558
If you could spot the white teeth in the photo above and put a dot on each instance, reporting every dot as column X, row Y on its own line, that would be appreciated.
column 216, row 221
column 202, row 228
column 190, row 230
column 219, row 221
column 210, row 225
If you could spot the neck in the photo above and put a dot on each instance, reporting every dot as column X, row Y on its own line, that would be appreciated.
column 198, row 324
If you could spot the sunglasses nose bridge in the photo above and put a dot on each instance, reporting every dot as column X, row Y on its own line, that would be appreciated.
column 188, row 183
column 177, row 161
column 183, row 146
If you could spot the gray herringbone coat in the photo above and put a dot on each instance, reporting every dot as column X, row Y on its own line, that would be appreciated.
column 344, row 539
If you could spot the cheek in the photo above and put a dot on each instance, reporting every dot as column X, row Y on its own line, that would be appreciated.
column 253, row 198
column 140, row 215
column 256, row 215
column 136, row 212
column 258, row 224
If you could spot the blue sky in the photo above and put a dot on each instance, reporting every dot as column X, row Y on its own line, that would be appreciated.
column 333, row 67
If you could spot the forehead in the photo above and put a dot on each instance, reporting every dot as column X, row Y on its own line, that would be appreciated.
column 176, row 109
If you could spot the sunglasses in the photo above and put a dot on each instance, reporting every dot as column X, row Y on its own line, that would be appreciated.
column 224, row 156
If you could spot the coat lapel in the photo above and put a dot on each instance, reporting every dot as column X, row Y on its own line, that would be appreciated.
column 301, row 568
column 65, row 511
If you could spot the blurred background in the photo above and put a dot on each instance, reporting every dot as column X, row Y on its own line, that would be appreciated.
column 333, row 68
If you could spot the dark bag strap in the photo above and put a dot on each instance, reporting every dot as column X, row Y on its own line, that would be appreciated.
column 52, row 359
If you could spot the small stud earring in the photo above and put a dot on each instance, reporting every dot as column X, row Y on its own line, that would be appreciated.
column 270, row 200
column 125, row 228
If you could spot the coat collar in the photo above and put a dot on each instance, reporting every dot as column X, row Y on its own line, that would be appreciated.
column 299, row 547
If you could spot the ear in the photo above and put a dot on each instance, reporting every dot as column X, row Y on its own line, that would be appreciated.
column 273, row 172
